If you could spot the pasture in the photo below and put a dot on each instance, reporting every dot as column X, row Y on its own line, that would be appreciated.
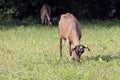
column 31, row 52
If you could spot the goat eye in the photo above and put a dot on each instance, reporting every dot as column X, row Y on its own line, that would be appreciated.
column 82, row 51
column 78, row 51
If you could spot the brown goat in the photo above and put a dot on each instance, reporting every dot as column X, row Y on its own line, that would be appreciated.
column 45, row 14
column 69, row 30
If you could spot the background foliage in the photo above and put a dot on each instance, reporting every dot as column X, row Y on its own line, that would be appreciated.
column 83, row 9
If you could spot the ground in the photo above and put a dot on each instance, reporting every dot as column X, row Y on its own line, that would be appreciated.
column 31, row 52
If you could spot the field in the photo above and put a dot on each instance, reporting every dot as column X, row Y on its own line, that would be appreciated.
column 31, row 52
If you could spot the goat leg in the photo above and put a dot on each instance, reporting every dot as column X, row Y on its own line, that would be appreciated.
column 60, row 48
column 69, row 47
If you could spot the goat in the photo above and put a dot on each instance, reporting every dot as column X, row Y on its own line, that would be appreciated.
column 69, row 30
column 45, row 14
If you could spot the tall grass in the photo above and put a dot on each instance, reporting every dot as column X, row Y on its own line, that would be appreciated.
column 31, row 52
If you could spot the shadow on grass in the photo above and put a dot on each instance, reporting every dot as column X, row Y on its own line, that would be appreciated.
column 8, row 24
column 14, row 24
column 105, row 58
column 101, row 23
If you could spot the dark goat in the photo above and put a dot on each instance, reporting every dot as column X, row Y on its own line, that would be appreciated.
column 45, row 14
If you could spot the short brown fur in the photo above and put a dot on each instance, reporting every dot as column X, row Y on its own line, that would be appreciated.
column 69, row 30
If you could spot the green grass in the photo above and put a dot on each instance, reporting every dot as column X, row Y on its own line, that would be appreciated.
column 31, row 52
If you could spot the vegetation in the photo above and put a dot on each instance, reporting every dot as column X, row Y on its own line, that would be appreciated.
column 83, row 9
column 31, row 52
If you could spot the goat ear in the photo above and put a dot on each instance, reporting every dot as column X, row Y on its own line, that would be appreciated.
column 86, row 47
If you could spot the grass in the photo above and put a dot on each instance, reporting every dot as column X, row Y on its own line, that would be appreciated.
column 31, row 52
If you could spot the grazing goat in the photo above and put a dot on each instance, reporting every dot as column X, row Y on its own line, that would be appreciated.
column 45, row 14
column 69, row 30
